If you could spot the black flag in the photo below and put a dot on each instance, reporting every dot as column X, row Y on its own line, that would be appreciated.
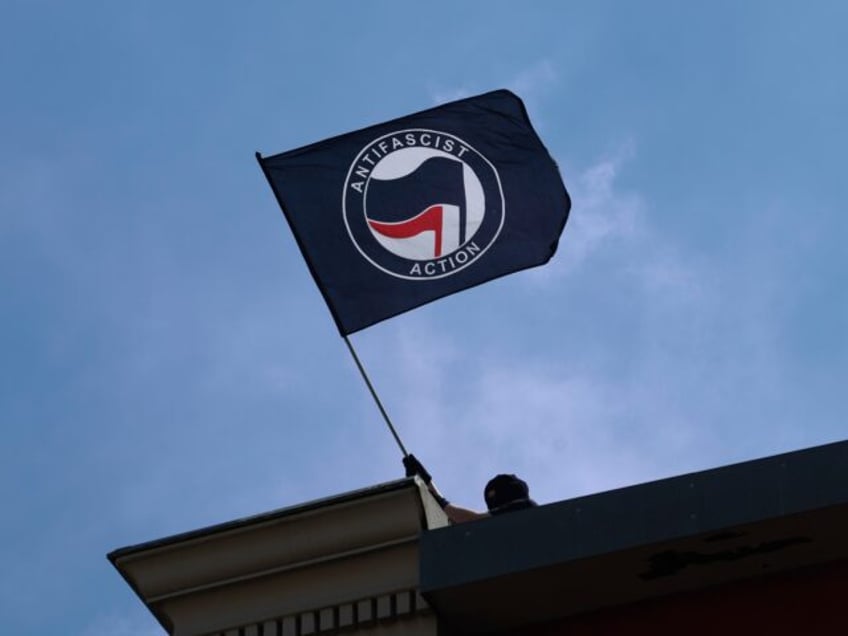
column 393, row 216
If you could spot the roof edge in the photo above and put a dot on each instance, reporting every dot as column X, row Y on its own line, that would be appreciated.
column 269, row 516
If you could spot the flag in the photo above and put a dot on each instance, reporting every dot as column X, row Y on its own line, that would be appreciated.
column 396, row 215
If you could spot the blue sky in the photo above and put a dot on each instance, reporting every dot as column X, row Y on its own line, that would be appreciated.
column 168, row 362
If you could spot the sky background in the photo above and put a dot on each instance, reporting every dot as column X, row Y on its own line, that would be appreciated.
column 168, row 363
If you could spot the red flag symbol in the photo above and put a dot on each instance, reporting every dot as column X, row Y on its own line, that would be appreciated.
column 430, row 220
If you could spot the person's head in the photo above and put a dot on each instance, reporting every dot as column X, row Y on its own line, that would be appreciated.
column 507, row 492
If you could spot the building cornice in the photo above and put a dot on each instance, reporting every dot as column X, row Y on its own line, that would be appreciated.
column 277, row 565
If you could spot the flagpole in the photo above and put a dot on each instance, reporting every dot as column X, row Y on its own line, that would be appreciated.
column 374, row 395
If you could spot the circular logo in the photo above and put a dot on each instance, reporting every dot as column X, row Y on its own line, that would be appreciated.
column 422, row 204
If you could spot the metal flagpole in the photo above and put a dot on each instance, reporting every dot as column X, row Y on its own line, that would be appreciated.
column 374, row 395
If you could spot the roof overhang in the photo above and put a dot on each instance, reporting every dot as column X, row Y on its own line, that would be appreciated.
column 316, row 558
column 669, row 536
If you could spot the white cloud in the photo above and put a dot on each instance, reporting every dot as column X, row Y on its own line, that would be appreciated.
column 600, row 216
column 567, row 431
column 533, row 80
column 444, row 95
column 529, row 83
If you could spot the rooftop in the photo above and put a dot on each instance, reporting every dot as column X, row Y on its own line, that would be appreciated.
column 664, row 537
column 735, row 523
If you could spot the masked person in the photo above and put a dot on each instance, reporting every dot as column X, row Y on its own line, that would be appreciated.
column 504, row 493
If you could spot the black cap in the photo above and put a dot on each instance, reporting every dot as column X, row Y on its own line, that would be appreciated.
column 506, row 493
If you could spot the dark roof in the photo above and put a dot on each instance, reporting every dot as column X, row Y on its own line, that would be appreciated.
column 625, row 545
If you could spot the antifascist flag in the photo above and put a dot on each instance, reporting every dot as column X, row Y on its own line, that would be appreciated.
column 391, row 217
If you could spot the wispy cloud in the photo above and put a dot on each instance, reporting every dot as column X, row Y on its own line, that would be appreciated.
column 534, row 81
column 601, row 216
column 568, row 431
column 444, row 95
column 530, row 83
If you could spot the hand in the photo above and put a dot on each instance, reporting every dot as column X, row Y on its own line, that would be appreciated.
column 414, row 467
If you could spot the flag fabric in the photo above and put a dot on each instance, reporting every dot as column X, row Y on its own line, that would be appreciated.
column 396, row 215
